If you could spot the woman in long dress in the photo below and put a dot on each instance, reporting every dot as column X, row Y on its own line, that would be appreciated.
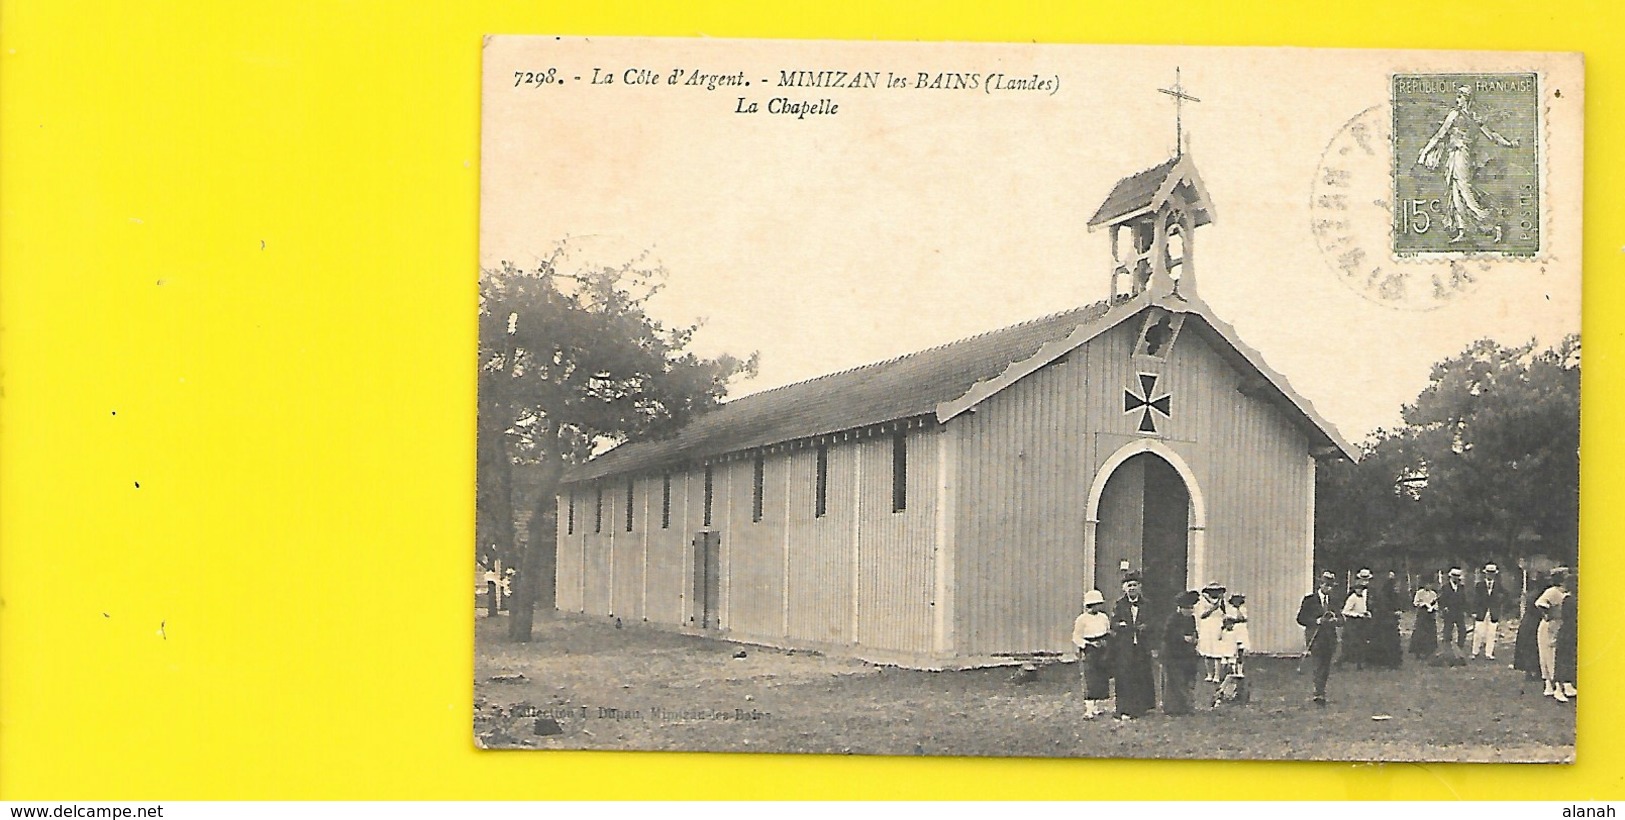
column 1550, row 604
column 1425, row 635
column 1525, row 648
column 1386, row 605
column 1566, row 663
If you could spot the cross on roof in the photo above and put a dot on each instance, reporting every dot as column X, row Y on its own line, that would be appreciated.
column 1179, row 95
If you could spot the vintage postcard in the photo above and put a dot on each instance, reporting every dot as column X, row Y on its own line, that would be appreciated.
column 984, row 399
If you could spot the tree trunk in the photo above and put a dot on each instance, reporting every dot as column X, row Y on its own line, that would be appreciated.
column 536, row 566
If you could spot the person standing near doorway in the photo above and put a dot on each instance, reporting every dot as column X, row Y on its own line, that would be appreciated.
column 1131, row 650
column 1091, row 634
column 1179, row 655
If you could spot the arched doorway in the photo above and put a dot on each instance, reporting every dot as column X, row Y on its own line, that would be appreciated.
column 1145, row 509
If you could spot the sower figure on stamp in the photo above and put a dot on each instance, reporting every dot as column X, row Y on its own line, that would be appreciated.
column 1131, row 650
column 1489, row 603
column 1179, row 656
column 1319, row 615
column 1453, row 143
column 1091, row 633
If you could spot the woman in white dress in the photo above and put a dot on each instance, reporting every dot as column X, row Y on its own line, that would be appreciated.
column 1236, row 633
column 1550, row 604
column 1210, row 643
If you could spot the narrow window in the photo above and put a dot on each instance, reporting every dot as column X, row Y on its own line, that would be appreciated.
column 759, row 468
column 821, row 490
column 665, row 501
column 629, row 505
column 708, row 495
column 572, row 516
column 899, row 472
column 598, row 514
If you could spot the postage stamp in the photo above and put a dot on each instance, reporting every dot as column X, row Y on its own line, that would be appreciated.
column 1466, row 164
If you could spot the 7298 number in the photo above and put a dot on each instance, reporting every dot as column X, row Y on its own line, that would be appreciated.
column 536, row 78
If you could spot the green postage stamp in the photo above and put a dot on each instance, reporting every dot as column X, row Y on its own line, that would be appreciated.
column 1466, row 165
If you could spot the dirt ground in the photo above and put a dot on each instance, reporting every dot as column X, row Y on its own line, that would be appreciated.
column 583, row 683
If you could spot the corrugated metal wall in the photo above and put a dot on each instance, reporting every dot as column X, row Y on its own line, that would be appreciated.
column 568, row 569
column 1254, row 470
column 1024, row 470
column 1028, row 456
column 755, row 551
column 665, row 590
column 820, row 568
column 895, row 571
column 628, row 573
column 598, row 542
column 791, row 576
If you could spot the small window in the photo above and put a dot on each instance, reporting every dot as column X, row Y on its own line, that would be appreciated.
column 708, row 494
column 821, row 490
column 571, row 527
column 665, row 501
column 598, row 513
column 759, row 468
column 1157, row 334
column 899, row 472
column 629, row 505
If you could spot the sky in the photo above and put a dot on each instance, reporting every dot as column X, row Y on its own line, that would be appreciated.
column 913, row 216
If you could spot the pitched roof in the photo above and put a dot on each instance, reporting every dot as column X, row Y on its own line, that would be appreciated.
column 904, row 387
column 942, row 381
column 1132, row 193
column 1138, row 192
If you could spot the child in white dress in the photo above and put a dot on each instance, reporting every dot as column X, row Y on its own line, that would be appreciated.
column 1210, row 642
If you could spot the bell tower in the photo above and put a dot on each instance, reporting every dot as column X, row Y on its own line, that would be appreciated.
column 1153, row 216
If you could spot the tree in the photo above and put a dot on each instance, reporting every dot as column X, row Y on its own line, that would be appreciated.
column 1498, row 431
column 1365, row 509
column 570, row 364
column 1487, row 462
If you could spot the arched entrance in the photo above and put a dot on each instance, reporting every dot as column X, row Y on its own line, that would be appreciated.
column 1145, row 509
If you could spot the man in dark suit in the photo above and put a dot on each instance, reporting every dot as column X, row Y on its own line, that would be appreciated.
column 1453, row 608
column 1131, row 645
column 1489, row 603
column 1319, row 615
column 1179, row 658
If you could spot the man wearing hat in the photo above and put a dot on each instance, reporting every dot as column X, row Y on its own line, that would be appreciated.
column 1319, row 615
column 1179, row 657
column 1453, row 610
column 1489, row 602
column 1090, row 634
column 1131, row 650
column 1357, row 621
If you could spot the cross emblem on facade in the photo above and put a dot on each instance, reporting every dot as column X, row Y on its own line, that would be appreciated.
column 1145, row 405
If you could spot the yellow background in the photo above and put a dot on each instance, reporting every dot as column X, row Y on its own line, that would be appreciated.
column 237, row 303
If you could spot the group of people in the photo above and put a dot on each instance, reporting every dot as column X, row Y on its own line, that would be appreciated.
column 1366, row 626
column 1207, row 632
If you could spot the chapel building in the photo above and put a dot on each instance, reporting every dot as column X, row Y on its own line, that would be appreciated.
column 949, row 508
